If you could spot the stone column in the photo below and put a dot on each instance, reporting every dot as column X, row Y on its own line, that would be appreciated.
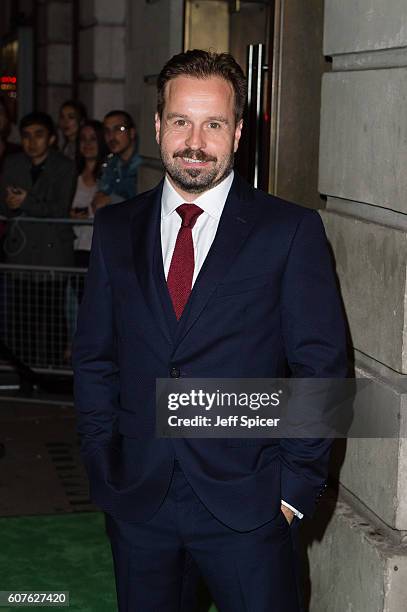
column 102, row 60
column 361, row 562
column 54, row 48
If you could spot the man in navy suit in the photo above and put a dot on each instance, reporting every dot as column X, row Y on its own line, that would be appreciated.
column 202, row 276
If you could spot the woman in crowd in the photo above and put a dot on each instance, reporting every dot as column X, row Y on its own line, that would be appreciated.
column 92, row 151
column 72, row 115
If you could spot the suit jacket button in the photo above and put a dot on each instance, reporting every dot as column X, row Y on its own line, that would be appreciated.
column 175, row 373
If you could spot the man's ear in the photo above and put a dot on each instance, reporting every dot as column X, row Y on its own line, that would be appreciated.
column 132, row 133
column 52, row 140
column 157, row 122
column 238, row 133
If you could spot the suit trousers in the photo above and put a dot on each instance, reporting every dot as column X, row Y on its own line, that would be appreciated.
column 252, row 571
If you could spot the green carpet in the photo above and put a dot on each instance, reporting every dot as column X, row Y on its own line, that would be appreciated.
column 66, row 553
column 59, row 553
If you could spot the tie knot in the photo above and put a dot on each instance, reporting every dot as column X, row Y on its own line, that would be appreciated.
column 189, row 213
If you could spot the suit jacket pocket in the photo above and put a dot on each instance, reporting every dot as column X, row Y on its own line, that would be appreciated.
column 245, row 284
column 123, row 473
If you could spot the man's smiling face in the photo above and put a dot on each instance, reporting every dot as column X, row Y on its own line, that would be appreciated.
column 197, row 133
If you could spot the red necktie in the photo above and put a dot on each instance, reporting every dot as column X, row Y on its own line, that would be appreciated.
column 181, row 270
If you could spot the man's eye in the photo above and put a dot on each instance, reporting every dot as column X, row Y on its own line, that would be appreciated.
column 180, row 122
column 214, row 125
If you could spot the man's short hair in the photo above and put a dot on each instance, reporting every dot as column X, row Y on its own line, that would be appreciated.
column 128, row 119
column 202, row 65
column 38, row 118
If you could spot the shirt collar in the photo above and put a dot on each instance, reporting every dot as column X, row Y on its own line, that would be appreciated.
column 133, row 160
column 212, row 201
column 38, row 167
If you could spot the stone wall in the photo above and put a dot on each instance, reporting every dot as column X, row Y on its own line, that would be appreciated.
column 102, row 58
column 54, row 54
column 362, row 171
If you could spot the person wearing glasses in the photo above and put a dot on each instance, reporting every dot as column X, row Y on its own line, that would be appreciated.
column 118, row 181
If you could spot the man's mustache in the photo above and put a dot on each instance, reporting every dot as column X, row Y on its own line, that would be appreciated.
column 199, row 155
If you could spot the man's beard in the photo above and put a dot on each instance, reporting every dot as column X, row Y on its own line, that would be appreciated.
column 197, row 180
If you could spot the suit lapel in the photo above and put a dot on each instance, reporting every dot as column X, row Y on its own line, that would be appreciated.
column 163, row 292
column 236, row 222
column 145, row 237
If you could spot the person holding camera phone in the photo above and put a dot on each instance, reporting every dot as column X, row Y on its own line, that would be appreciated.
column 92, row 152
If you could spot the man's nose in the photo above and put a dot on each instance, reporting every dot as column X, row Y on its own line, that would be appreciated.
column 195, row 138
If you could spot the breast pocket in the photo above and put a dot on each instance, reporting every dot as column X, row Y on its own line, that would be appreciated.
column 253, row 283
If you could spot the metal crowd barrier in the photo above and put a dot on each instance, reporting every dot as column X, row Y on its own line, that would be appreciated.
column 38, row 310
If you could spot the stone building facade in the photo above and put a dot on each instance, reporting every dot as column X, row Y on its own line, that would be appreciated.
column 361, row 563
column 109, row 53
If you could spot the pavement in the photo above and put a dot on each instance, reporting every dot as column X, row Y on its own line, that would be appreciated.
column 40, row 467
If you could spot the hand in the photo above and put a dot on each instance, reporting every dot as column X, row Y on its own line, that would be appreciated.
column 78, row 214
column 15, row 196
column 289, row 514
column 100, row 200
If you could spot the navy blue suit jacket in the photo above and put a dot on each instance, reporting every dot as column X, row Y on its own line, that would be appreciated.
column 265, row 298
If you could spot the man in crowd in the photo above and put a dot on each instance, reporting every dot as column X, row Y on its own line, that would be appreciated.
column 203, row 276
column 38, row 182
column 118, row 181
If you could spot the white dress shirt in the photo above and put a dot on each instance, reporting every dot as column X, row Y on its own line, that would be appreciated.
column 212, row 203
column 204, row 230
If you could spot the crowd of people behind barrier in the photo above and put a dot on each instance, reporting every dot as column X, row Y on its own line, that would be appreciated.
column 55, row 173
